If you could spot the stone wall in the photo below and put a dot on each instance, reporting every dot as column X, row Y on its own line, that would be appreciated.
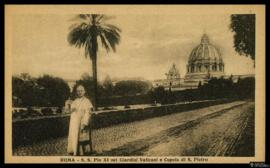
column 38, row 129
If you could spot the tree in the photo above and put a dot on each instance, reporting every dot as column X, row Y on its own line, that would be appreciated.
column 17, row 91
column 43, row 91
column 159, row 95
column 108, row 86
column 26, row 77
column 88, row 82
column 85, row 34
column 24, row 90
column 245, row 88
column 53, row 91
column 243, row 26
column 131, row 87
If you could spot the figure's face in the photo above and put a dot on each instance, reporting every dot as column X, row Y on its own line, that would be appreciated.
column 80, row 91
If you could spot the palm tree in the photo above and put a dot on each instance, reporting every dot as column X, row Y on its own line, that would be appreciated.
column 85, row 34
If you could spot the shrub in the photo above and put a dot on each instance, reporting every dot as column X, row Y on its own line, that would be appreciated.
column 47, row 111
column 42, row 91
column 32, row 113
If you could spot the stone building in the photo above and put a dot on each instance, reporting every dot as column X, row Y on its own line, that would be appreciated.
column 173, row 79
column 173, row 73
column 204, row 61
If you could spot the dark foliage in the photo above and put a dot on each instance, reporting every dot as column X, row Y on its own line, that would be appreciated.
column 108, row 87
column 43, row 91
column 226, row 88
column 130, row 87
column 158, row 95
column 216, row 88
column 54, row 90
column 122, row 93
column 24, row 91
column 47, row 111
column 128, row 92
column 124, row 100
column 245, row 88
column 88, row 83
column 243, row 26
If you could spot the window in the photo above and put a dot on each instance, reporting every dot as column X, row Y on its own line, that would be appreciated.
column 206, row 67
column 199, row 67
column 192, row 68
column 220, row 67
column 214, row 67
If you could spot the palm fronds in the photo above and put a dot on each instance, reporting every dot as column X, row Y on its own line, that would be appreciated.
column 88, row 28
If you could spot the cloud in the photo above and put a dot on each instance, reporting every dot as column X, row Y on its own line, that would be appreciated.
column 149, row 45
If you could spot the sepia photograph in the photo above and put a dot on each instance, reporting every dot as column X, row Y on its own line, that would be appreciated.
column 134, row 84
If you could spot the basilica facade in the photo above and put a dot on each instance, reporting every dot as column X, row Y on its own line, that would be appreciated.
column 205, row 61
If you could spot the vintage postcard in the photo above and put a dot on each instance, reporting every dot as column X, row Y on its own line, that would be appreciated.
column 134, row 84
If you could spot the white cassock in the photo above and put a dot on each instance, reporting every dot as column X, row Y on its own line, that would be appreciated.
column 80, row 116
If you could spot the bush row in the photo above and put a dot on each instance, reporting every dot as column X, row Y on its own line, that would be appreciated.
column 31, row 112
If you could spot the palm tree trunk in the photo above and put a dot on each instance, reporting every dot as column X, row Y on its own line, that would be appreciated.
column 94, row 69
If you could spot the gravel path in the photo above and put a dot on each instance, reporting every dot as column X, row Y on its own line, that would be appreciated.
column 196, row 132
column 212, row 135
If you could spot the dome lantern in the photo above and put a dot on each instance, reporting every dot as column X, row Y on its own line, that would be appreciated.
column 205, row 39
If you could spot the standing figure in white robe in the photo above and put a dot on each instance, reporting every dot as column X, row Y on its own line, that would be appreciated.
column 80, row 116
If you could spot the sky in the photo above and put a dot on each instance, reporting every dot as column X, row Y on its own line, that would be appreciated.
column 149, row 45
